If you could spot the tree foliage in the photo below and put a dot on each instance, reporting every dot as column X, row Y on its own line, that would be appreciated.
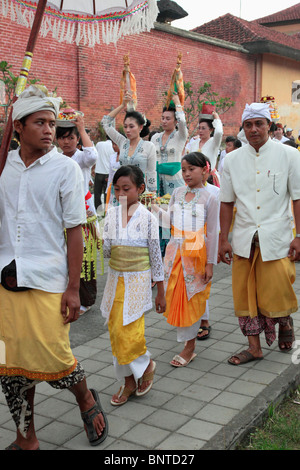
column 10, row 82
column 194, row 100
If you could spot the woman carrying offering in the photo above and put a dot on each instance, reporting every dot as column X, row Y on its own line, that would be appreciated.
column 131, row 241
column 133, row 149
column 191, row 253
column 210, row 133
column 169, row 146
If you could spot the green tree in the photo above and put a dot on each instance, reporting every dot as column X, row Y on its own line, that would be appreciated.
column 194, row 100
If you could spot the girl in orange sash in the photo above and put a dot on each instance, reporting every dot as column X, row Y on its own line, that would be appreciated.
column 191, row 253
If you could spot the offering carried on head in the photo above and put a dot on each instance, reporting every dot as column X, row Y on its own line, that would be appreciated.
column 67, row 117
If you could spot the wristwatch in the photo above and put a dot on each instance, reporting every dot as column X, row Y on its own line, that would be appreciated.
column 297, row 235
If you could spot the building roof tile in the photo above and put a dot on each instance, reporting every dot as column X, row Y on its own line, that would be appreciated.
column 238, row 31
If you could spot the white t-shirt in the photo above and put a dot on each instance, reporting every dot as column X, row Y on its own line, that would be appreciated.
column 85, row 158
column 262, row 184
column 105, row 150
column 36, row 204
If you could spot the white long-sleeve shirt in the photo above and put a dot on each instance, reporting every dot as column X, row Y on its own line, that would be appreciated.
column 212, row 146
column 262, row 184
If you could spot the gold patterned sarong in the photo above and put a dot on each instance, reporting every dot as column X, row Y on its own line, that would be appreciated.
column 35, row 342
column 263, row 286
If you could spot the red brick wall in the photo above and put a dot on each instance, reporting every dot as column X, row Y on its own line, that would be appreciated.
column 89, row 78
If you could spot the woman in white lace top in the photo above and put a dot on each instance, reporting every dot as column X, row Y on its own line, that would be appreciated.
column 169, row 146
column 192, row 251
column 131, row 241
column 133, row 149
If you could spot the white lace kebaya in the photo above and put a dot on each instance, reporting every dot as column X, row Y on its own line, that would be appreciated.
column 140, row 232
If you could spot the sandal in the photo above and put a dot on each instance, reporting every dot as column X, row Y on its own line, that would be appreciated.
column 88, row 419
column 286, row 336
column 182, row 362
column 244, row 357
column 123, row 392
column 203, row 328
column 149, row 376
column 15, row 446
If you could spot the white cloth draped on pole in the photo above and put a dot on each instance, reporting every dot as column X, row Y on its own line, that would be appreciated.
column 86, row 22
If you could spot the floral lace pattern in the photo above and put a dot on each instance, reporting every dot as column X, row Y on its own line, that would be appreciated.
column 199, row 215
column 141, row 231
column 171, row 152
column 144, row 155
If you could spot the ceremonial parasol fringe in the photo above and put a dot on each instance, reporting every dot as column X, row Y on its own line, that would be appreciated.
column 87, row 33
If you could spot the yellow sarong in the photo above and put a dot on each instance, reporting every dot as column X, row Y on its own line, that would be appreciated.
column 127, row 342
column 36, row 342
column 264, row 286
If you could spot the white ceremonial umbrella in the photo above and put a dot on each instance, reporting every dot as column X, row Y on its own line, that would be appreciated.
column 86, row 22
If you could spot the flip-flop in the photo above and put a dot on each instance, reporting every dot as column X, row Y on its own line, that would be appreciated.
column 124, row 391
column 203, row 328
column 88, row 419
column 244, row 357
column 182, row 362
column 15, row 446
column 146, row 377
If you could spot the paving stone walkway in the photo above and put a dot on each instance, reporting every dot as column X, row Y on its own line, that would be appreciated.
column 208, row 405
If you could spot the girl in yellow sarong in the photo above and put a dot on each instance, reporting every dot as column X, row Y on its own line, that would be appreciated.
column 191, row 253
column 131, row 241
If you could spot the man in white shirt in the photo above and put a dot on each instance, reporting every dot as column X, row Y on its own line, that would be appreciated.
column 41, row 196
column 105, row 150
column 261, row 178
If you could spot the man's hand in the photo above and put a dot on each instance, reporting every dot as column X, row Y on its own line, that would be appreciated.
column 225, row 252
column 294, row 251
column 70, row 305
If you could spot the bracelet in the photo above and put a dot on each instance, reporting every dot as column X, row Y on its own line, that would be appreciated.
column 297, row 235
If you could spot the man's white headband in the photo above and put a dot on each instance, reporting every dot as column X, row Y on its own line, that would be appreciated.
column 34, row 99
column 256, row 110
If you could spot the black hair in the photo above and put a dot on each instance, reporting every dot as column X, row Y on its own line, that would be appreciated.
column 169, row 108
column 209, row 122
column 291, row 143
column 141, row 120
column 66, row 131
column 196, row 159
column 236, row 142
column 23, row 122
column 134, row 172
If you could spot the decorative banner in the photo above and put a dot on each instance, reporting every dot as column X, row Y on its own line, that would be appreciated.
column 128, row 83
column 86, row 22
column 177, row 84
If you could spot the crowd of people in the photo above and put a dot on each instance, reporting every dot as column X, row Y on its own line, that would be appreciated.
column 50, row 230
